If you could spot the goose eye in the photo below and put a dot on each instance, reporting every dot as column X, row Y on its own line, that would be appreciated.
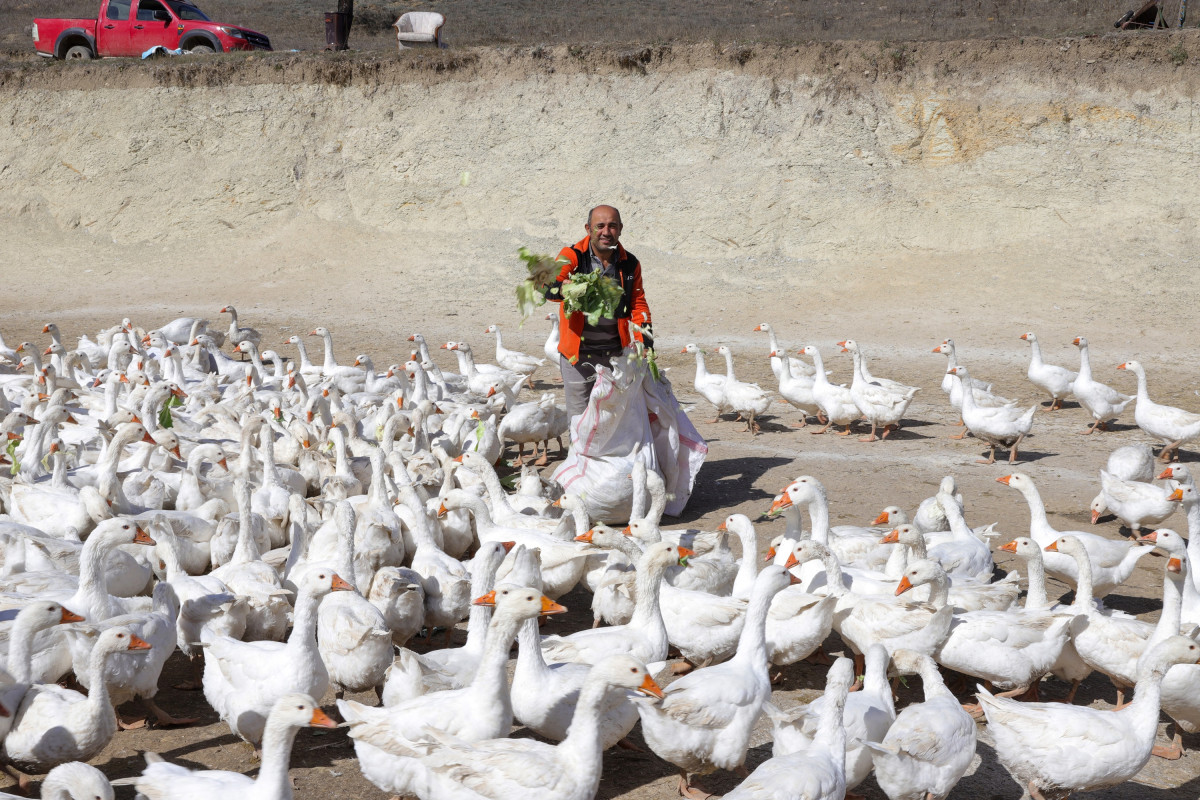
column 530, row 597
column 633, row 669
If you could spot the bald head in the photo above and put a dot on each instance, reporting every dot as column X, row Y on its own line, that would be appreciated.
column 606, row 210
column 604, row 230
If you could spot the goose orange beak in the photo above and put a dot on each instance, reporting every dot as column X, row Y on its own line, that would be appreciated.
column 905, row 585
column 1166, row 473
column 756, row 328
column 321, row 720
column 781, row 502
column 458, row 460
column 1010, row 547
column 137, row 643
column 1122, row 366
column 1174, row 565
column 937, row 349
column 684, row 554
column 627, row 531
column 892, row 537
column 1176, row 495
column 882, row 519
column 141, row 537
column 442, row 510
column 584, row 537
column 551, row 607
column 1005, row 480
column 650, row 687
column 148, row 439
column 46, row 329
column 557, row 502
column 340, row 585
column 1025, row 336
column 722, row 527
column 488, row 599
column 1095, row 517
column 1052, row 547
column 412, row 338
column 1152, row 536
column 684, row 350
column 792, row 561
column 69, row 616
column 508, row 546
column 770, row 554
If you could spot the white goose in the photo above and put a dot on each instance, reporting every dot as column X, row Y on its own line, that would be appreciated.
column 882, row 405
column 478, row 711
column 747, row 399
column 1113, row 561
column 162, row 780
column 1103, row 402
column 930, row 745
column 779, row 355
column 817, row 772
column 1173, row 426
column 242, row 680
column 55, row 725
column 1134, row 503
column 71, row 781
column 835, row 401
column 1055, row 750
column 1055, row 380
column 999, row 427
column 797, row 389
column 238, row 335
column 514, row 360
column 705, row 720
column 448, row 766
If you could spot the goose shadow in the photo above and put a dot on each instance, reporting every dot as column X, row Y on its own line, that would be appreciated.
column 729, row 482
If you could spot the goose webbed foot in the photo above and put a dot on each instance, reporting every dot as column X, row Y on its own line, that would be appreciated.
column 686, row 789
column 1173, row 751
column 166, row 720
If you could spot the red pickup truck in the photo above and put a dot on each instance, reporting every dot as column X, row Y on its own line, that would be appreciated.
column 131, row 27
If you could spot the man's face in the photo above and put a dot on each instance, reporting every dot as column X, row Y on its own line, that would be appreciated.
column 605, row 228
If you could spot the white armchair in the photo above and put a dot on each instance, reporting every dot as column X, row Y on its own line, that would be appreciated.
column 419, row 27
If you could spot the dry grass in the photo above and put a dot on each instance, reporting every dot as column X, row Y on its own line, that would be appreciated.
column 298, row 24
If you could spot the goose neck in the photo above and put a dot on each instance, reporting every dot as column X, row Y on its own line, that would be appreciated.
column 531, row 664
column 304, row 622
column 701, row 365
column 818, row 510
column 752, row 643
column 1172, row 609
column 932, row 682
column 1083, row 584
column 20, row 651
column 581, row 748
column 1085, row 362
column 939, row 589
column 1035, row 596
column 646, row 609
column 729, row 376
column 833, row 572
column 98, row 703
column 273, row 779
column 491, row 678
column 831, row 731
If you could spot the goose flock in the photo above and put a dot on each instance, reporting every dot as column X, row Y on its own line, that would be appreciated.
column 883, row 403
column 298, row 530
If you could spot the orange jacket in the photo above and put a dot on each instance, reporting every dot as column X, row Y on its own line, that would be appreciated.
column 632, row 307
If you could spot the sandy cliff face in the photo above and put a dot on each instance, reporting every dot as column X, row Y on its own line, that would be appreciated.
column 1075, row 158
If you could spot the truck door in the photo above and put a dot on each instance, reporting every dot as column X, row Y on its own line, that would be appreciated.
column 112, row 34
column 153, row 25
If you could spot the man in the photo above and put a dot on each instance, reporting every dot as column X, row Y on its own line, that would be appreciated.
column 582, row 346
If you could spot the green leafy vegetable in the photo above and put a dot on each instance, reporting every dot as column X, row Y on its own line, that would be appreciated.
column 164, row 415
column 593, row 294
column 542, row 271
column 11, row 450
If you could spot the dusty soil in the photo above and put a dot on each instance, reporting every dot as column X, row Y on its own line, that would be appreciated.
column 977, row 191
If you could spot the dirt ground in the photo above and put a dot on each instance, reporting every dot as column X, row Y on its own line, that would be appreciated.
column 953, row 199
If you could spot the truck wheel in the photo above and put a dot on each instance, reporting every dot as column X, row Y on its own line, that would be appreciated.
column 80, row 52
column 202, row 50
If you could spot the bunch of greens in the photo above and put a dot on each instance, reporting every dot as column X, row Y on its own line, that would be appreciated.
column 592, row 294
column 11, row 450
column 542, row 271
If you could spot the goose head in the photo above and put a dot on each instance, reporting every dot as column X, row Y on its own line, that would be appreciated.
column 299, row 711
column 1029, row 337
column 119, row 640
column 763, row 328
column 657, row 557
column 892, row 515
column 919, row 573
column 1174, row 544
column 625, row 672
column 1023, row 547
column 45, row 614
column 519, row 602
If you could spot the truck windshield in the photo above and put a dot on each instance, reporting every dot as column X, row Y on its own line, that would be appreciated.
column 187, row 11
